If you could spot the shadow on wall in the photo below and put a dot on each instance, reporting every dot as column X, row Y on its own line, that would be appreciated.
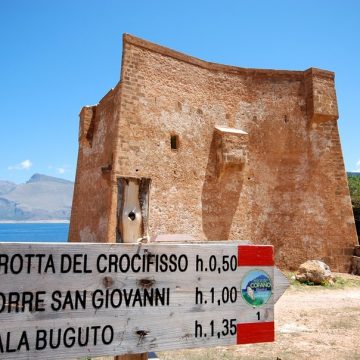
column 220, row 198
column 356, row 210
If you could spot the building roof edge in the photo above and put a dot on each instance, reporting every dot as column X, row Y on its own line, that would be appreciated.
column 292, row 74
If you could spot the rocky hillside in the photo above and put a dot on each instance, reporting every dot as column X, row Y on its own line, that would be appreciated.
column 41, row 198
column 6, row 187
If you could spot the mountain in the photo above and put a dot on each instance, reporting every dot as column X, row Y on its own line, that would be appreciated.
column 6, row 187
column 349, row 173
column 42, row 197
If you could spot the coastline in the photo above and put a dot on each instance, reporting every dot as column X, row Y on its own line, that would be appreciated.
column 34, row 221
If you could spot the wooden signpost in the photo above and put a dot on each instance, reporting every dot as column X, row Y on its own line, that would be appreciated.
column 66, row 301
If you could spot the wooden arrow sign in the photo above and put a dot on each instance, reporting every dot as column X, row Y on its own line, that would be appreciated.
column 63, row 301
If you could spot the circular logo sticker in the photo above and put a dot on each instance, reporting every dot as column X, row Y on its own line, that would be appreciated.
column 256, row 288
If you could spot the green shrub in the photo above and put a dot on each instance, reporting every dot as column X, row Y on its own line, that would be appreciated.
column 354, row 186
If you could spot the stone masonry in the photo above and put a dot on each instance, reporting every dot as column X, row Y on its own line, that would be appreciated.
column 232, row 153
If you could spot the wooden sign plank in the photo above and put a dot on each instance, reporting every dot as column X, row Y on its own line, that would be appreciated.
column 63, row 301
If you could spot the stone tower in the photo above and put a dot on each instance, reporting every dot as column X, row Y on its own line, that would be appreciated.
column 232, row 153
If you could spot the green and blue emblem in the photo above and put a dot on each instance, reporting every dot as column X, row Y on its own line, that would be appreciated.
column 256, row 288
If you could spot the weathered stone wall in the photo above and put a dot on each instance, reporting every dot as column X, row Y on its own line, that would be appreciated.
column 92, row 193
column 258, row 156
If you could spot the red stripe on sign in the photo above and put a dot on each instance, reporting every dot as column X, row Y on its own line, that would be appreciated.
column 252, row 333
column 255, row 255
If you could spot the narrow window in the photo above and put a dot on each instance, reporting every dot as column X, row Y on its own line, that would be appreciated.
column 174, row 141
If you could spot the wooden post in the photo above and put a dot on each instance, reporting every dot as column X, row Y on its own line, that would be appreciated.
column 132, row 221
column 132, row 357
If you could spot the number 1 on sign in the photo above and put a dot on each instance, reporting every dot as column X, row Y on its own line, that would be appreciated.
column 258, row 315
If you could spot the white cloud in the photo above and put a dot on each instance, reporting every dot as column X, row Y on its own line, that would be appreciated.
column 357, row 168
column 62, row 169
column 24, row 165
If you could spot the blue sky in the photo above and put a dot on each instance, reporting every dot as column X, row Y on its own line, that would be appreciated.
column 57, row 56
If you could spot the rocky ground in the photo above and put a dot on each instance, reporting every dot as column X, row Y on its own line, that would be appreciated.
column 312, row 322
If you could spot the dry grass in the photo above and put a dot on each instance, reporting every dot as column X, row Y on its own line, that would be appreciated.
column 342, row 281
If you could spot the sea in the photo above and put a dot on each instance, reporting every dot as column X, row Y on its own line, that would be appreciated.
column 34, row 232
